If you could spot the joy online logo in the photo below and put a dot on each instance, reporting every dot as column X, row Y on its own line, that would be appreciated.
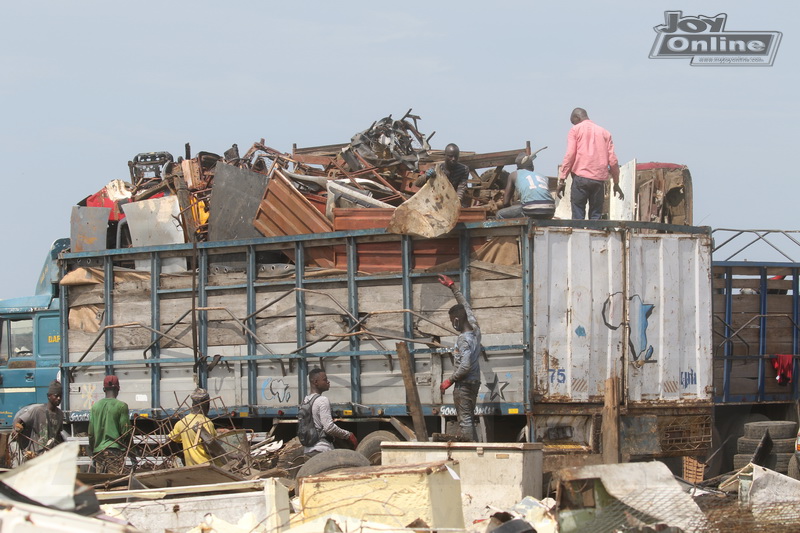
column 705, row 40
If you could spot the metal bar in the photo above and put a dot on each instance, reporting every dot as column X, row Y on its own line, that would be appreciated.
column 108, row 290
column 299, row 271
column 202, row 318
column 184, row 249
column 299, row 357
column 795, row 333
column 352, row 303
column 527, row 249
column 63, row 322
column 252, row 366
column 727, row 365
column 463, row 262
column 155, row 322
column 762, row 333
column 406, row 254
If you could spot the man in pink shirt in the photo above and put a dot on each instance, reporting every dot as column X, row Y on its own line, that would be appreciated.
column 590, row 158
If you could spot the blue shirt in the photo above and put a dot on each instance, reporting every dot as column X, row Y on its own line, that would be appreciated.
column 534, row 190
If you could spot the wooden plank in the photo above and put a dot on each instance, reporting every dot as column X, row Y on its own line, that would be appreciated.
column 754, row 271
column 610, row 424
column 160, row 493
column 412, row 394
column 186, row 476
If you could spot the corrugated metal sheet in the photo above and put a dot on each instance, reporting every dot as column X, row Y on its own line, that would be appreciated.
column 378, row 217
column 588, row 285
column 284, row 211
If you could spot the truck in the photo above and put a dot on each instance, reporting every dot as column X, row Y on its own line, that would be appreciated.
column 565, row 307
column 603, row 340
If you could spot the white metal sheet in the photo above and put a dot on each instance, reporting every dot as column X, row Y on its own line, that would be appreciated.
column 575, row 346
column 669, row 307
column 639, row 310
column 624, row 209
column 154, row 222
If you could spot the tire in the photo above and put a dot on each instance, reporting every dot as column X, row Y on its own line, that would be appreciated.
column 793, row 469
column 778, row 462
column 778, row 429
column 370, row 446
column 332, row 460
column 778, row 445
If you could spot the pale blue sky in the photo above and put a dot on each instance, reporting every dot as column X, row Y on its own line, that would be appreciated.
column 87, row 85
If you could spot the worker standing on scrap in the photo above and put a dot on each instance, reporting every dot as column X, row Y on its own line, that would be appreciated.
column 321, row 414
column 467, row 373
column 109, row 425
column 189, row 430
column 590, row 158
column 456, row 173
column 534, row 191
column 37, row 428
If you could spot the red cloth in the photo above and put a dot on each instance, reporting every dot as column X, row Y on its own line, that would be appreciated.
column 783, row 365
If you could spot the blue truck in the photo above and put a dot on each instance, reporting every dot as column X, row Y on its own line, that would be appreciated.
column 30, row 341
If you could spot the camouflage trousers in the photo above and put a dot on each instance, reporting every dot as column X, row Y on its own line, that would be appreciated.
column 109, row 461
column 465, row 396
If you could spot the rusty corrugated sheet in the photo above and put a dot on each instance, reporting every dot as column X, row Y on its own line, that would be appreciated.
column 376, row 257
column 284, row 211
column 360, row 218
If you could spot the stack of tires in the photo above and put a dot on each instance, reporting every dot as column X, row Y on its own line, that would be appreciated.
column 783, row 435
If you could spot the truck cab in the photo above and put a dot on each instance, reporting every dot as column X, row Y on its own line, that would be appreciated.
column 30, row 343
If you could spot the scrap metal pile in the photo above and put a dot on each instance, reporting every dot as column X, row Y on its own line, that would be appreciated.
column 267, row 192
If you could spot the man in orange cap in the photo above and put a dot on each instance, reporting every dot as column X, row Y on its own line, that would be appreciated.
column 109, row 427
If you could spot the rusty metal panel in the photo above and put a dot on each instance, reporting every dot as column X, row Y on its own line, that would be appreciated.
column 378, row 217
column 89, row 228
column 669, row 311
column 237, row 193
column 284, row 211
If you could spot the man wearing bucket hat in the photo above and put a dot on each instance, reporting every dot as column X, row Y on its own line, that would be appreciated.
column 109, row 427
column 37, row 428
column 189, row 430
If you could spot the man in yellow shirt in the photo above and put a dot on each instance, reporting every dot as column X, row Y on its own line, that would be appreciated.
column 187, row 430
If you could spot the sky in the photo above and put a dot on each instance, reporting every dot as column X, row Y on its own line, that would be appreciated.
column 87, row 85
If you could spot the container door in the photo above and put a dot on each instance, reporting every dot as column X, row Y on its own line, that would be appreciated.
column 578, row 325
column 669, row 312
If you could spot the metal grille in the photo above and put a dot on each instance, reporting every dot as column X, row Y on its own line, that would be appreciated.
column 685, row 433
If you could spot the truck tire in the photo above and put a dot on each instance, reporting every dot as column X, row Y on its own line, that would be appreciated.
column 370, row 446
column 332, row 460
column 778, row 429
column 778, row 462
column 793, row 470
column 778, row 445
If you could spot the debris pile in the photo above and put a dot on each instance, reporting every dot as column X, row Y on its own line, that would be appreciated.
column 267, row 192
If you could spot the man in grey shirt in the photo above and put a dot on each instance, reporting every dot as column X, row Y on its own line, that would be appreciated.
column 467, row 372
column 321, row 413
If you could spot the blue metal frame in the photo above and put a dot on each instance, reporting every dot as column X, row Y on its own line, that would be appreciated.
column 760, row 395
column 155, row 323
column 351, row 278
